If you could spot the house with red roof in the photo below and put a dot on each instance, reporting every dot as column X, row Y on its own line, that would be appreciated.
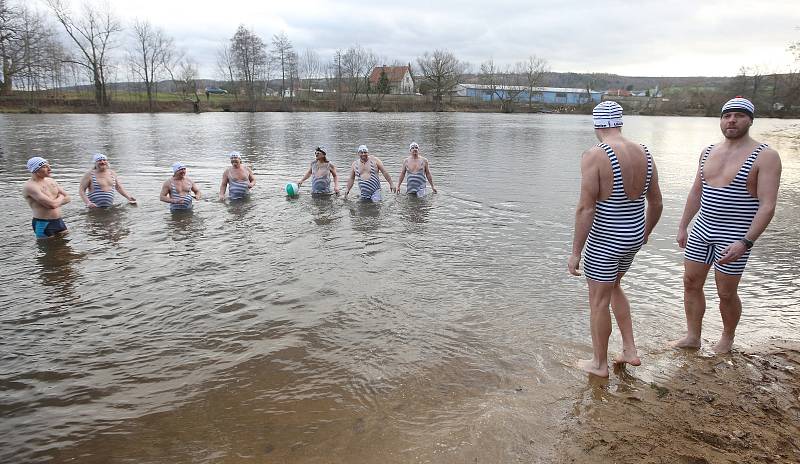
column 400, row 79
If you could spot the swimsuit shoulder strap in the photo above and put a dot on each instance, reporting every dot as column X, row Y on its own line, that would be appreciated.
column 649, row 175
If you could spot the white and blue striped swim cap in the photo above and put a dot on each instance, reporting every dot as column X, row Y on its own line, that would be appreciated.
column 739, row 105
column 35, row 163
column 99, row 157
column 607, row 114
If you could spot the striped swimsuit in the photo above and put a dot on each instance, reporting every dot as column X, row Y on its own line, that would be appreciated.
column 371, row 188
column 321, row 183
column 617, row 231
column 726, row 214
column 237, row 189
column 100, row 197
column 416, row 181
column 186, row 199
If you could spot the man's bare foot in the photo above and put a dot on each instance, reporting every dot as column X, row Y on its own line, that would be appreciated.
column 628, row 357
column 588, row 365
column 686, row 342
column 724, row 345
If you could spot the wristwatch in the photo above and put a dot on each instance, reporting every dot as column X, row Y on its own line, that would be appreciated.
column 747, row 243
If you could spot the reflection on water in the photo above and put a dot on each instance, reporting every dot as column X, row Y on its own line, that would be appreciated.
column 318, row 329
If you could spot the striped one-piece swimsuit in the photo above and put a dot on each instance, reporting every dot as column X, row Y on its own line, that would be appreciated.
column 237, row 189
column 321, row 182
column 617, row 231
column 416, row 181
column 371, row 188
column 186, row 199
column 98, row 196
column 726, row 214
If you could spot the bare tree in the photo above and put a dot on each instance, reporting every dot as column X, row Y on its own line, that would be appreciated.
column 92, row 32
column 441, row 70
column 225, row 68
column 533, row 70
column 10, row 45
column 309, row 68
column 282, row 51
column 357, row 64
column 250, row 61
column 148, row 57
column 504, row 84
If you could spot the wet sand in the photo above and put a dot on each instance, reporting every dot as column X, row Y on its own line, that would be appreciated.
column 742, row 407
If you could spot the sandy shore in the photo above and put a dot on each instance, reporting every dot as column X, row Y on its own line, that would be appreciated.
column 692, row 408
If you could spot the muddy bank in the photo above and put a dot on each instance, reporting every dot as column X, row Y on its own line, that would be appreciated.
column 693, row 408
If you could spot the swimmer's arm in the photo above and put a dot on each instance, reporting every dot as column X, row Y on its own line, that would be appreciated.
column 82, row 190
column 584, row 211
column 429, row 176
column 122, row 191
column 196, row 191
column 305, row 176
column 386, row 175
column 691, row 208
column 655, row 205
column 769, row 179
column 39, row 197
column 251, row 176
column 165, row 195
column 335, row 179
column 62, row 194
column 401, row 177
column 350, row 180
column 223, row 185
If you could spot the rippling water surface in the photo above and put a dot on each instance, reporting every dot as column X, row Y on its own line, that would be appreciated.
column 323, row 330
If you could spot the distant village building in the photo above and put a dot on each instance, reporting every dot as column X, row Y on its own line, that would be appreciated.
column 547, row 95
column 618, row 93
column 401, row 82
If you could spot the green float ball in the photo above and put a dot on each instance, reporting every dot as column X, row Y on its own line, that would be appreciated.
column 292, row 189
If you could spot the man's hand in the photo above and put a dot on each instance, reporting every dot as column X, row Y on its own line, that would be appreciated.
column 733, row 252
column 682, row 237
column 573, row 264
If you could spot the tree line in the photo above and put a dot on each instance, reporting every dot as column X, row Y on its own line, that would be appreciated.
column 89, row 45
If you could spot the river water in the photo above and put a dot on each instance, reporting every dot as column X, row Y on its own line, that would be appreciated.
column 439, row 329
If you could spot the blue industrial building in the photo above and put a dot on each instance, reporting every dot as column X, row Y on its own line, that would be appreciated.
column 546, row 95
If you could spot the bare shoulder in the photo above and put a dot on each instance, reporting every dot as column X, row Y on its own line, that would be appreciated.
column 770, row 155
column 29, row 186
column 593, row 155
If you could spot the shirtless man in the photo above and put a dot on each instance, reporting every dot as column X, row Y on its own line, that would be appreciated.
column 100, row 183
column 735, row 191
column 178, row 189
column 45, row 197
column 418, row 170
column 366, row 168
column 611, row 221
column 237, row 179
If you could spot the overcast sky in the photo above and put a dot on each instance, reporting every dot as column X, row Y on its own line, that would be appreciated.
column 632, row 38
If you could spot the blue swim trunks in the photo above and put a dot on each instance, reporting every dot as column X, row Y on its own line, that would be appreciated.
column 45, row 228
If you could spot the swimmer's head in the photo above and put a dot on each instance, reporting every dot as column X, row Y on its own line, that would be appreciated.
column 362, row 149
column 235, row 155
column 36, row 163
column 606, row 115
column 413, row 146
column 739, row 105
column 97, row 157
column 177, row 166
column 320, row 150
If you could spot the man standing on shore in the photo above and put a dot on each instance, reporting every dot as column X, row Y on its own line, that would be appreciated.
column 735, row 190
column 45, row 197
column 610, row 220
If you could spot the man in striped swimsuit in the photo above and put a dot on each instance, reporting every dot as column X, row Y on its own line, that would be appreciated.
column 366, row 169
column 735, row 191
column 610, row 220
column 98, row 185
column 178, row 189
column 418, row 171
column 237, row 179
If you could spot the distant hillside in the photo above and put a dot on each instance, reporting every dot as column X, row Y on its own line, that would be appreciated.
column 601, row 81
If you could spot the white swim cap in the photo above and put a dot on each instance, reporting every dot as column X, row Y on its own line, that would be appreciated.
column 607, row 114
column 362, row 149
column 35, row 163
column 235, row 154
column 99, row 157
column 177, row 166
column 413, row 146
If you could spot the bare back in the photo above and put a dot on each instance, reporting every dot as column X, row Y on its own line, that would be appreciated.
column 633, row 164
